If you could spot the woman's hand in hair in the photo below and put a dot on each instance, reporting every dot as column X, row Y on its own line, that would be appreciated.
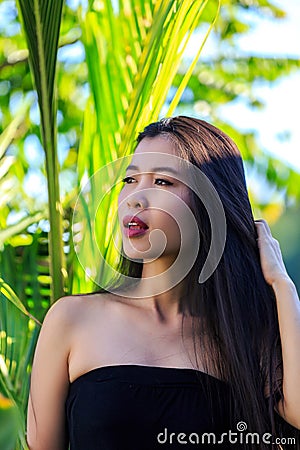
column 288, row 309
column 272, row 264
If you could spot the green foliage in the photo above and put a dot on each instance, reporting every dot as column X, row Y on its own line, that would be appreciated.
column 11, row 176
column 41, row 25
column 17, row 342
column 8, row 424
column 25, row 265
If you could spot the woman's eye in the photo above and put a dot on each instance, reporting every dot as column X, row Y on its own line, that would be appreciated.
column 168, row 183
column 127, row 179
column 159, row 181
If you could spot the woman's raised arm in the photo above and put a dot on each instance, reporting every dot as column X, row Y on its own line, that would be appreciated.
column 288, row 307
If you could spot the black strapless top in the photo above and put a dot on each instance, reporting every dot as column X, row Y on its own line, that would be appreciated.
column 138, row 407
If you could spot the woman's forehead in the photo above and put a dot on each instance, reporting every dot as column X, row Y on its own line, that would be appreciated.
column 154, row 154
column 156, row 144
column 155, row 162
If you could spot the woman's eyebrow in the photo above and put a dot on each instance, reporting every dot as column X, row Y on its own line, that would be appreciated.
column 155, row 169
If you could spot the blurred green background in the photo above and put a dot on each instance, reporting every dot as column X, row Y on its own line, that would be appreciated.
column 78, row 81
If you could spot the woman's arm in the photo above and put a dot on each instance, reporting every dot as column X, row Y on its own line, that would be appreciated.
column 288, row 307
column 46, row 425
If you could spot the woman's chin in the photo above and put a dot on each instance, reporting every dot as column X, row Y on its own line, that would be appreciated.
column 138, row 257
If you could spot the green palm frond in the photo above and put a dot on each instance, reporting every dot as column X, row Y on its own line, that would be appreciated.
column 18, row 337
column 10, row 295
column 8, row 185
column 41, row 23
column 133, row 53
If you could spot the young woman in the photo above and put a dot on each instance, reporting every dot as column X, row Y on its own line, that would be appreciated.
column 167, row 361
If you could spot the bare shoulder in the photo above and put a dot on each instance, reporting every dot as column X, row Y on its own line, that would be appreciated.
column 75, row 318
column 71, row 310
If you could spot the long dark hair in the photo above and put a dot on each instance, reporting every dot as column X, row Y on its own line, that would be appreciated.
column 235, row 309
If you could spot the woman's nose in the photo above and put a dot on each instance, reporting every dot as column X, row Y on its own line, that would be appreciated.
column 137, row 201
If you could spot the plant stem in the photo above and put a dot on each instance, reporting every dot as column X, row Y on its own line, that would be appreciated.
column 48, row 121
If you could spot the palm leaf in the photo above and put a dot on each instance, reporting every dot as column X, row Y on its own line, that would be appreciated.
column 20, row 226
column 10, row 295
column 133, row 54
column 8, row 186
column 17, row 341
column 41, row 23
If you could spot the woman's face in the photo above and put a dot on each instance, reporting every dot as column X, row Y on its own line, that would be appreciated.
column 151, row 199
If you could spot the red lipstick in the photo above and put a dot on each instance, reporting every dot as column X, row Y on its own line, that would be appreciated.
column 134, row 226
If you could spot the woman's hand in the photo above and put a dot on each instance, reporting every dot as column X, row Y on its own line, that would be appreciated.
column 288, row 312
column 272, row 264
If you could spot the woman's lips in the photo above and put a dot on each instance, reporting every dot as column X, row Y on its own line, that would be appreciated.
column 131, row 232
column 134, row 226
